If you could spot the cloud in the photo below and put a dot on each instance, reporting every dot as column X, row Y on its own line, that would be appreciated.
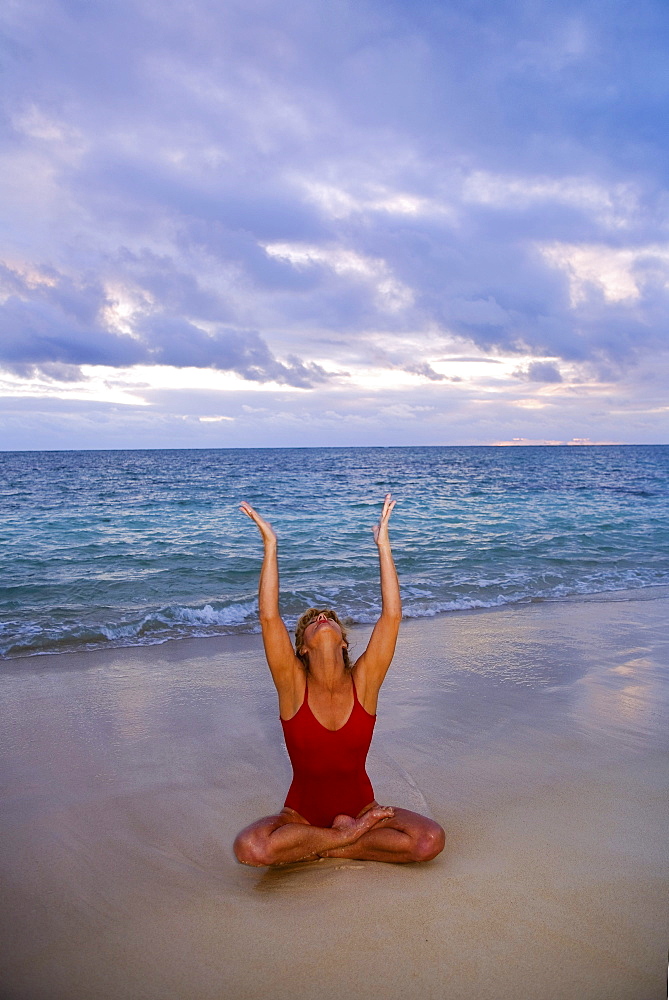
column 426, row 370
column 617, row 273
column 55, row 325
column 421, row 414
column 57, row 322
column 539, row 371
column 291, row 192
column 612, row 206
column 180, row 344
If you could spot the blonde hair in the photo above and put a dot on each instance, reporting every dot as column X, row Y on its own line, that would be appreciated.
column 306, row 619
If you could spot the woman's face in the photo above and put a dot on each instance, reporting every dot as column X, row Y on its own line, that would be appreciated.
column 322, row 623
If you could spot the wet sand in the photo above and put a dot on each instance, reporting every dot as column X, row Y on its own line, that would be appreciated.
column 536, row 735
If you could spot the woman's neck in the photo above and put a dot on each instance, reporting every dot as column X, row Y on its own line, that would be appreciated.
column 326, row 669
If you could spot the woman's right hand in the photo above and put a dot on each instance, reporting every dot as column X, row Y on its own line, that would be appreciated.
column 265, row 529
column 381, row 529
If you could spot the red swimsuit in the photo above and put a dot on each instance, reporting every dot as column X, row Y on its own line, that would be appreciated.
column 329, row 774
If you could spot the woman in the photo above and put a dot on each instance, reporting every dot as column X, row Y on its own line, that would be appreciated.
column 328, row 710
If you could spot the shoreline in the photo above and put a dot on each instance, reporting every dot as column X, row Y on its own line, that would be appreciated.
column 535, row 733
column 650, row 593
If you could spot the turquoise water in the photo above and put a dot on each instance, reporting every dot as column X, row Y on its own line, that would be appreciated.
column 133, row 547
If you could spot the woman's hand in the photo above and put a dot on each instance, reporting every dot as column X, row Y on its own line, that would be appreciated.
column 381, row 529
column 265, row 529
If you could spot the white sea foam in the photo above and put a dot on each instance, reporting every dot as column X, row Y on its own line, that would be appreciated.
column 177, row 622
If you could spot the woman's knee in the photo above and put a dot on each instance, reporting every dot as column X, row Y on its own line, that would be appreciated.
column 249, row 849
column 429, row 843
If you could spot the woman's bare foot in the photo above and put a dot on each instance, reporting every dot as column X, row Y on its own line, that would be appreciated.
column 404, row 837
column 356, row 827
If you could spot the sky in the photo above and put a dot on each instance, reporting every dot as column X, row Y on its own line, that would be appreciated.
column 247, row 223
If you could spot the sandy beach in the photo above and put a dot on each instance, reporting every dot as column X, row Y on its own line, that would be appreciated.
column 535, row 734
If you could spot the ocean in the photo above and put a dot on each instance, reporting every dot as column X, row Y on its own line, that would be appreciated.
column 137, row 547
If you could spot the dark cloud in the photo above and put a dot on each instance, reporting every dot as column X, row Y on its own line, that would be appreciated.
column 539, row 371
column 59, row 326
column 426, row 371
column 477, row 360
column 41, row 330
column 51, row 371
column 181, row 344
column 159, row 278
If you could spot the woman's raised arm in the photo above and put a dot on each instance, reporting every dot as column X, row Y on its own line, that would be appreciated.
column 372, row 666
column 279, row 650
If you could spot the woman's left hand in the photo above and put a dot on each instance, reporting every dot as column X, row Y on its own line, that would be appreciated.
column 381, row 529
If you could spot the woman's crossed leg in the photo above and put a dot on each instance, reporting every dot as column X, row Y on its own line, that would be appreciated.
column 378, row 833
